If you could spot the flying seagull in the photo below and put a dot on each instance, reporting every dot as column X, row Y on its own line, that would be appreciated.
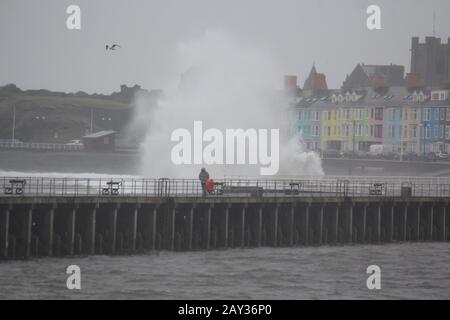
column 113, row 47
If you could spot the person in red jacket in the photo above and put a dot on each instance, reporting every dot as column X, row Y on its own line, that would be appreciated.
column 210, row 186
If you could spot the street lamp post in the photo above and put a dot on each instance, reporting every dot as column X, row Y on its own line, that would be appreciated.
column 92, row 119
column 353, row 137
column 14, row 124
column 424, row 128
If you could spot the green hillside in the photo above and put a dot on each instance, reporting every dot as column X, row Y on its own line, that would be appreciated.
column 43, row 116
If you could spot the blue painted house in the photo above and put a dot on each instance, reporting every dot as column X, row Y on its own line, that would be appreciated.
column 429, row 129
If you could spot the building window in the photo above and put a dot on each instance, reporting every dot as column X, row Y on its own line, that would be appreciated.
column 413, row 132
column 427, row 132
column 441, row 131
column 426, row 114
column 447, row 111
column 392, row 131
column 300, row 115
column 317, row 131
column 447, row 132
column 414, row 114
column 442, row 113
column 379, row 114
column 436, row 114
column 378, row 131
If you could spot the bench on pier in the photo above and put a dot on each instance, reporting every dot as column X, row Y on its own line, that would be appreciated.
column 16, row 185
column 218, row 188
column 294, row 189
column 376, row 189
column 253, row 191
column 113, row 188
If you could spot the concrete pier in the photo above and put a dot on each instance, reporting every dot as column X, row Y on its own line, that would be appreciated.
column 65, row 226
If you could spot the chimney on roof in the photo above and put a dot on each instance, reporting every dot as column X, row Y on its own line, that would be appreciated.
column 413, row 81
column 378, row 82
column 319, row 82
column 290, row 83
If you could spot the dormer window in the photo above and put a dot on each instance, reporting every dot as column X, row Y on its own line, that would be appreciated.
column 439, row 95
column 415, row 96
column 334, row 99
column 421, row 97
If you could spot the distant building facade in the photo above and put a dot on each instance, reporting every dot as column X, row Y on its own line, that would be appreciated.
column 102, row 141
column 351, row 121
column 430, row 60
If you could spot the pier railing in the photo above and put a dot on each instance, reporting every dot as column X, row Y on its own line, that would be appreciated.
column 40, row 146
column 334, row 187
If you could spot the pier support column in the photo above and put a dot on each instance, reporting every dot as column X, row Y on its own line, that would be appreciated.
column 208, row 227
column 134, row 226
column 225, row 226
column 378, row 224
column 275, row 225
column 113, row 226
column 190, row 226
column 349, row 224
column 364, row 224
column 390, row 235
column 335, row 225
column 291, row 226
column 259, row 225
column 242, row 225
column 152, row 238
column 170, row 244
column 47, row 235
column 443, row 230
column 405, row 222
column 71, row 230
column 431, row 222
column 417, row 227
column 4, row 232
column 28, row 230
column 306, row 225
column 320, row 226
column 91, row 230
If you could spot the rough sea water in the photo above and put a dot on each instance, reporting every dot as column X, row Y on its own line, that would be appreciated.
column 408, row 271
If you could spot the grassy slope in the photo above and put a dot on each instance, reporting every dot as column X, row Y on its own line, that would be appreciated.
column 69, row 117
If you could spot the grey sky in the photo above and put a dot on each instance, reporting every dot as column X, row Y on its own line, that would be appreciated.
column 37, row 50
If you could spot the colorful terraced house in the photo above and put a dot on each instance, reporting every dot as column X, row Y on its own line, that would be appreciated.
column 373, row 108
